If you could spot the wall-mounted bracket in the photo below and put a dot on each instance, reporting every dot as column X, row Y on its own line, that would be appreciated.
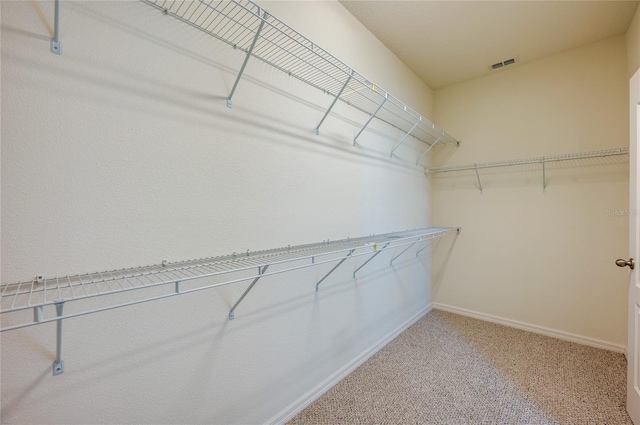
column 56, row 45
column 334, row 101
column 261, row 271
column 371, row 258
column 58, row 365
column 425, row 247
column 430, row 147
column 403, row 251
column 386, row 96
column 37, row 314
column 405, row 137
column 478, row 177
column 246, row 59
column 334, row 268
column 544, row 176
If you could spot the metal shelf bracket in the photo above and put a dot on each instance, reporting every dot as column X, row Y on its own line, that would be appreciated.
column 432, row 240
column 424, row 247
column 405, row 137
column 478, row 177
column 372, row 257
column 261, row 271
column 334, row 101
column 58, row 365
column 544, row 176
column 430, row 147
column 386, row 97
column 334, row 267
column 56, row 45
column 246, row 59
column 403, row 251
column 37, row 314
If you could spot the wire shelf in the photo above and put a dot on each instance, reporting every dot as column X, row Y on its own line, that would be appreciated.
column 535, row 160
column 541, row 160
column 43, row 292
column 246, row 26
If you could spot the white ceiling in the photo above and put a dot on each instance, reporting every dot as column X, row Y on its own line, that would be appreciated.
column 446, row 42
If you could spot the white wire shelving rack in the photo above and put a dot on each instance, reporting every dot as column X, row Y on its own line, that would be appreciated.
column 541, row 160
column 249, row 28
column 47, row 297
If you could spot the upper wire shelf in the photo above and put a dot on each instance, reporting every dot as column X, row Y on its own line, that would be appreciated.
column 171, row 279
column 246, row 26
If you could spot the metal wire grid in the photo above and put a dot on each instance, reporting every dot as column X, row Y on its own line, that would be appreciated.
column 535, row 160
column 39, row 293
column 236, row 22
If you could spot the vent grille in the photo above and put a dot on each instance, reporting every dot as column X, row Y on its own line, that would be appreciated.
column 504, row 63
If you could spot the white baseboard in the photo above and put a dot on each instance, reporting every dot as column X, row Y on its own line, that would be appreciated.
column 567, row 336
column 297, row 406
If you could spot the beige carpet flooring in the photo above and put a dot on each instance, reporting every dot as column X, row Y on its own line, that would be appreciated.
column 450, row 369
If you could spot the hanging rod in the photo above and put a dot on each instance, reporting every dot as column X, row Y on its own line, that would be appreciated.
column 542, row 160
column 249, row 28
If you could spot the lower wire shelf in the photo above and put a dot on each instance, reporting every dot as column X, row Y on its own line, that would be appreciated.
column 48, row 296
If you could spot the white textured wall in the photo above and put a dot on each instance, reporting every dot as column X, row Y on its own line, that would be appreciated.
column 545, row 259
column 122, row 152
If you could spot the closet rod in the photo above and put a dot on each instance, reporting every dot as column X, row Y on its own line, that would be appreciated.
column 535, row 160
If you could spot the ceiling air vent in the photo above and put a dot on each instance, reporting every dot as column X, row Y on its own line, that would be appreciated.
column 503, row 63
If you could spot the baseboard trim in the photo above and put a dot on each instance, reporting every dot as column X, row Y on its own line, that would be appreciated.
column 297, row 406
column 567, row 336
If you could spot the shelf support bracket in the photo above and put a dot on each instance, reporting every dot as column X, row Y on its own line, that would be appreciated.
column 37, row 314
column 403, row 251
column 544, row 176
column 405, row 137
column 478, row 177
column 261, row 271
column 56, row 45
column 371, row 258
column 430, row 147
column 246, row 59
column 58, row 365
column 334, row 101
column 334, row 267
column 386, row 96
column 425, row 247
